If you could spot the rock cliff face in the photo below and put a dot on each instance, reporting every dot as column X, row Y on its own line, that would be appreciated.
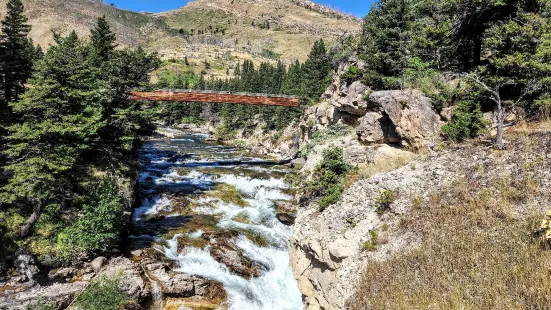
column 402, row 117
column 327, row 249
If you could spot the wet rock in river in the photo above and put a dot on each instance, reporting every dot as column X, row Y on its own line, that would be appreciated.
column 181, row 285
column 286, row 212
column 224, row 250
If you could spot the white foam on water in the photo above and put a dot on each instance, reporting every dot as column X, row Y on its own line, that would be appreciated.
column 275, row 288
column 251, row 186
column 151, row 207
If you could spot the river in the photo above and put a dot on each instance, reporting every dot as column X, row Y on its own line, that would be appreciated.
column 210, row 208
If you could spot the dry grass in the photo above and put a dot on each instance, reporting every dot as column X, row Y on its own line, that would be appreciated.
column 379, row 165
column 478, row 250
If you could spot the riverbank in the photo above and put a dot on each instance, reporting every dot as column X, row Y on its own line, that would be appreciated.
column 212, row 205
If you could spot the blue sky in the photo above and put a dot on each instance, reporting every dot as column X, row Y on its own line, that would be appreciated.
column 355, row 7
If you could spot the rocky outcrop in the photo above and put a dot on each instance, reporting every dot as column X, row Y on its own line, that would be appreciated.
column 399, row 116
column 327, row 249
column 131, row 275
column 180, row 285
column 28, row 297
column 403, row 117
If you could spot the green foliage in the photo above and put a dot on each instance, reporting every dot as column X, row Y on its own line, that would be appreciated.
column 40, row 306
column 102, row 294
column 327, row 180
column 75, row 119
column 225, row 132
column 387, row 33
column 502, row 48
column 17, row 52
column 352, row 74
column 98, row 226
column 317, row 71
column 60, row 119
column 371, row 244
column 103, row 39
column 420, row 75
column 384, row 200
column 467, row 122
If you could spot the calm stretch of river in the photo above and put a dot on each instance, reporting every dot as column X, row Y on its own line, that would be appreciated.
column 197, row 192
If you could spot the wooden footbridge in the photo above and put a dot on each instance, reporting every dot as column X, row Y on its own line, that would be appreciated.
column 216, row 97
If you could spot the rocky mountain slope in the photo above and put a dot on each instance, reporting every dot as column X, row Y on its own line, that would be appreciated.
column 213, row 34
column 63, row 16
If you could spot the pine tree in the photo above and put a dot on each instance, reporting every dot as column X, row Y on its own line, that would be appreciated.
column 103, row 39
column 16, row 52
column 60, row 118
column 317, row 70
column 387, row 33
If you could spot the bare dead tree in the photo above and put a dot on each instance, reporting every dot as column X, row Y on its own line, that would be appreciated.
column 496, row 98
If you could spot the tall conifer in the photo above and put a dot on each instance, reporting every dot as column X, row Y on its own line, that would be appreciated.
column 16, row 53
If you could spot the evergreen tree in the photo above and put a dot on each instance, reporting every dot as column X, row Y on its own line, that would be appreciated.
column 386, row 42
column 16, row 53
column 103, row 39
column 317, row 70
column 60, row 118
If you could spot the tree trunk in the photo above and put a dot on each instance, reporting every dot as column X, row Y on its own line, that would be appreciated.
column 499, row 138
column 29, row 224
column 477, row 53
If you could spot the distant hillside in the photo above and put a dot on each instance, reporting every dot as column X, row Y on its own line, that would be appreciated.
column 215, row 35
column 64, row 16
column 269, row 28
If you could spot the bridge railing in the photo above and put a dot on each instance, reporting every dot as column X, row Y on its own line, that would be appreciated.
column 217, row 92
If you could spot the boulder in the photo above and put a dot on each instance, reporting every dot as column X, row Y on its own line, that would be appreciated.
column 98, row 263
column 286, row 218
column 181, row 285
column 130, row 274
column 411, row 117
column 370, row 129
column 224, row 250
column 351, row 98
column 286, row 212
column 25, row 265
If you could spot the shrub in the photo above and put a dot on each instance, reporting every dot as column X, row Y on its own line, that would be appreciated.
column 352, row 74
column 419, row 75
column 99, row 226
column 102, row 294
column 371, row 244
column 384, row 200
column 467, row 122
column 328, row 178
column 225, row 132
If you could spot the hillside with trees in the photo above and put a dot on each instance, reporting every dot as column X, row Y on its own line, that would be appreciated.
column 212, row 35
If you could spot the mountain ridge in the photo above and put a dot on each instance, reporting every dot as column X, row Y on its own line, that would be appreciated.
column 214, row 35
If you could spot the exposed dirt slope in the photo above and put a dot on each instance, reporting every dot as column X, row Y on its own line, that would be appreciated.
column 64, row 16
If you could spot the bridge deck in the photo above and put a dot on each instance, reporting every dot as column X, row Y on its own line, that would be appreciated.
column 216, row 97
